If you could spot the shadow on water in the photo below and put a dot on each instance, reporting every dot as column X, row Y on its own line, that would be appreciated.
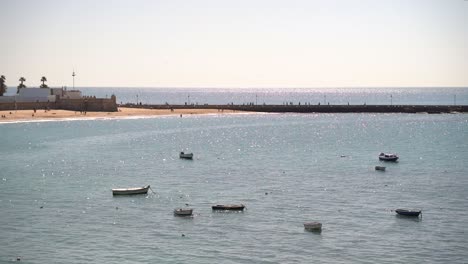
column 315, row 232
column 409, row 218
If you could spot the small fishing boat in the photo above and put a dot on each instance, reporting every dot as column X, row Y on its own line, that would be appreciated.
column 183, row 155
column 129, row 191
column 183, row 212
column 380, row 168
column 228, row 207
column 388, row 157
column 408, row 212
column 313, row 226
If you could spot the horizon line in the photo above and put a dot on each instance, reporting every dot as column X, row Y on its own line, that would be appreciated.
column 266, row 87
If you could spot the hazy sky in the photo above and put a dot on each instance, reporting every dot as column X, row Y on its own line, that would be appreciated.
column 241, row 43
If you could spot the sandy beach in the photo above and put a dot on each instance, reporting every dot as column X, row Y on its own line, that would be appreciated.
column 29, row 115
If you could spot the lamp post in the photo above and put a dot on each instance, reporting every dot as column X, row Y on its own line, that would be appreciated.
column 73, row 75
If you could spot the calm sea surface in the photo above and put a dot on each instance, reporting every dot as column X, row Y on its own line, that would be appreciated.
column 286, row 168
column 377, row 96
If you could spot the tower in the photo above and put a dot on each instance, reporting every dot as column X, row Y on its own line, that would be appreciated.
column 73, row 74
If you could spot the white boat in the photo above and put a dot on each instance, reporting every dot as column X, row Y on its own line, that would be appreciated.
column 380, row 168
column 129, row 191
column 183, row 155
column 183, row 212
column 388, row 157
column 313, row 226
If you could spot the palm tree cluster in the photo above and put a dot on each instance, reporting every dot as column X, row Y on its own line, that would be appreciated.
column 3, row 87
column 43, row 80
column 21, row 85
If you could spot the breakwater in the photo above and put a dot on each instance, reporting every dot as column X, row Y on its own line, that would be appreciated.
column 431, row 109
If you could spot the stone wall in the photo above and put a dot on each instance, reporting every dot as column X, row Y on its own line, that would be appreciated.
column 84, row 104
column 26, row 105
column 88, row 104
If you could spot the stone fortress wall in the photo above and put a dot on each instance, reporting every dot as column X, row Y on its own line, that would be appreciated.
column 82, row 104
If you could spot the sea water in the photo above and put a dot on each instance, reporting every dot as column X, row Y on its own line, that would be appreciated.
column 313, row 96
column 56, row 204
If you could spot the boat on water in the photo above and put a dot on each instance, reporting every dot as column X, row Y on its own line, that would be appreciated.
column 408, row 212
column 228, row 207
column 388, row 157
column 313, row 226
column 183, row 155
column 380, row 168
column 130, row 191
column 183, row 211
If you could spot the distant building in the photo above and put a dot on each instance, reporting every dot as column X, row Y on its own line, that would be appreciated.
column 42, row 95
column 34, row 95
column 56, row 98
column 66, row 94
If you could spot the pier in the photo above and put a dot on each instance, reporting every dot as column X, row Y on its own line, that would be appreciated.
column 431, row 109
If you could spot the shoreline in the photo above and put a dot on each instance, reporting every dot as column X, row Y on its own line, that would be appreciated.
column 152, row 111
column 12, row 116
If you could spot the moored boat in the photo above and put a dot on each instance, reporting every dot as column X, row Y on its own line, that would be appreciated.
column 183, row 212
column 388, row 157
column 408, row 212
column 313, row 226
column 228, row 207
column 130, row 191
column 380, row 168
column 183, row 155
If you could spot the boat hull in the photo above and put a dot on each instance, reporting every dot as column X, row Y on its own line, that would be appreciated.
column 406, row 212
column 130, row 191
column 232, row 207
column 313, row 226
column 380, row 168
column 186, row 155
column 388, row 159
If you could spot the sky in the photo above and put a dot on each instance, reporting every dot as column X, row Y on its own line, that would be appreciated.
column 242, row 43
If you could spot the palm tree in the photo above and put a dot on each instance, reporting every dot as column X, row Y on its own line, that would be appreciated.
column 3, row 87
column 22, row 79
column 43, row 80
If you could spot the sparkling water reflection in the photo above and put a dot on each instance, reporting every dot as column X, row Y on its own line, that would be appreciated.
column 288, row 169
